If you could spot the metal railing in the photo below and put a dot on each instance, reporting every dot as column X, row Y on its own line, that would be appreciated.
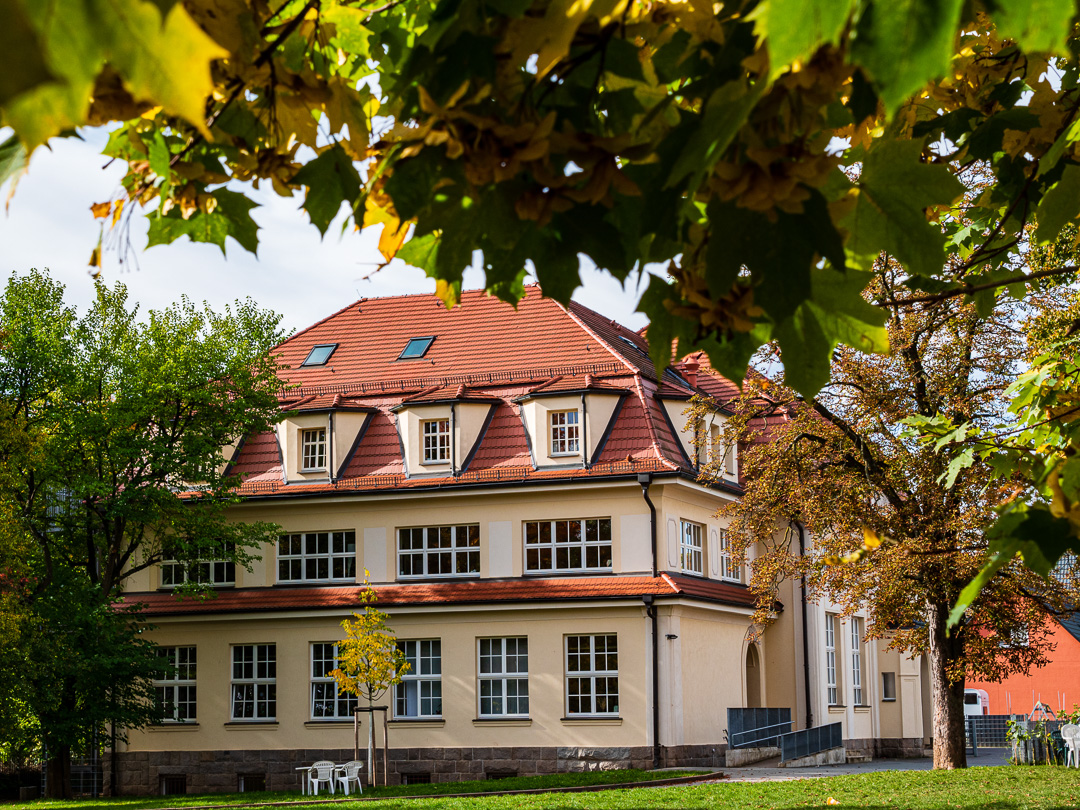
column 810, row 741
column 748, row 728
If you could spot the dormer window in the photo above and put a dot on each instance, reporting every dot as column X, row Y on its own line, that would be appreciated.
column 436, row 433
column 565, row 433
column 313, row 449
column 416, row 348
column 319, row 354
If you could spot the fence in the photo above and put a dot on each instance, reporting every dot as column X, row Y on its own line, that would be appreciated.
column 749, row 728
column 810, row 741
column 989, row 730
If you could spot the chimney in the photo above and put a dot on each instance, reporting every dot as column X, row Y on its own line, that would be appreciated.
column 690, row 368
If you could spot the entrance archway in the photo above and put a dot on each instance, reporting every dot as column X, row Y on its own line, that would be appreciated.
column 753, row 677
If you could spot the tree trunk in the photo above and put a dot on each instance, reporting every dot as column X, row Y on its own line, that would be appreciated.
column 58, row 778
column 947, row 698
column 371, row 747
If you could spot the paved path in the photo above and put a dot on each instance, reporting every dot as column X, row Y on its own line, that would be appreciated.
column 769, row 772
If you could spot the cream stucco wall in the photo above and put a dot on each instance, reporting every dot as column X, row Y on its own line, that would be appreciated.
column 599, row 409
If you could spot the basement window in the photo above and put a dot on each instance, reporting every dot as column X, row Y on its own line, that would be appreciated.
column 416, row 348
column 173, row 785
column 319, row 354
column 416, row 779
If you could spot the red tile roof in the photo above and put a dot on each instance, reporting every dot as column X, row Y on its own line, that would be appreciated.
column 539, row 589
column 483, row 350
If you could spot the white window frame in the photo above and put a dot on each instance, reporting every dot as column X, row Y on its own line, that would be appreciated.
column 435, row 438
column 215, row 573
column 857, row 694
column 313, row 449
column 425, row 674
column 258, row 671
column 565, row 431
column 301, row 558
column 587, row 550
column 502, row 667
column 691, row 547
column 832, row 693
column 591, row 676
column 728, row 569
column 458, row 546
column 344, row 704
column 179, row 690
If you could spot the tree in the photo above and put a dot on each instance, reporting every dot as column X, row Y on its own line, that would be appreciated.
column 111, row 461
column 369, row 661
column 712, row 138
column 895, row 527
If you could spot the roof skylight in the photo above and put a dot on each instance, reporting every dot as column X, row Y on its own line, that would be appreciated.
column 632, row 345
column 319, row 354
column 416, row 348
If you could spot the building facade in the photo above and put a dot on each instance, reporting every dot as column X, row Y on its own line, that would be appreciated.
column 521, row 489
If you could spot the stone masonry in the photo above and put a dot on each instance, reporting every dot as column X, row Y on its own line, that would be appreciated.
column 143, row 772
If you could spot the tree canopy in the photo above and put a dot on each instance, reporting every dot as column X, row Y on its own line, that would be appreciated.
column 893, row 526
column 710, row 137
column 113, row 426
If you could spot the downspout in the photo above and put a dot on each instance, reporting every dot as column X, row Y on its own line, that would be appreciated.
column 805, row 639
column 330, row 450
column 453, row 443
column 645, row 479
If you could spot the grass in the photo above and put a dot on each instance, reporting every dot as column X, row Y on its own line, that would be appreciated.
column 1001, row 788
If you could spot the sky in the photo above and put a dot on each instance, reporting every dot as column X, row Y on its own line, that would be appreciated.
column 48, row 224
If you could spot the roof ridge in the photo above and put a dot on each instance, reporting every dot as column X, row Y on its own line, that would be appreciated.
column 674, row 586
column 649, row 419
column 589, row 330
column 422, row 393
column 547, row 383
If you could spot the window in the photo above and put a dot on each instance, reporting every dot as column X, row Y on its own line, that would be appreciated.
column 856, row 662
column 504, row 677
column 888, row 686
column 830, row 659
column 592, row 675
column 317, row 556
column 728, row 568
column 254, row 686
column 568, row 545
column 217, row 573
column 416, row 348
column 175, row 692
column 564, row 433
column 439, row 551
column 327, row 703
column 420, row 692
column 690, row 547
column 716, row 445
column 436, row 434
column 319, row 354
column 313, row 449
column 730, row 460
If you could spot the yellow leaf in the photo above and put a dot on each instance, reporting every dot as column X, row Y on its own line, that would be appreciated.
column 101, row 210
column 871, row 539
column 550, row 36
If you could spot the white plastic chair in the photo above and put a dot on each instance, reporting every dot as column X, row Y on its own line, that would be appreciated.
column 350, row 772
column 1070, row 735
column 321, row 771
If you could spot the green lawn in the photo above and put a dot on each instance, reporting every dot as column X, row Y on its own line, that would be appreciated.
column 994, row 788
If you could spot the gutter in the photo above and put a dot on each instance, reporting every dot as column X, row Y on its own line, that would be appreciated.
column 645, row 479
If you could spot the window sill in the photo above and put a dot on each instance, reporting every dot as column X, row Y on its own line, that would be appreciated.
column 444, row 463
column 595, row 720
column 837, row 708
column 888, row 700
column 193, row 726
column 860, row 709
column 307, row 583
column 418, row 722
column 241, row 725
column 574, row 572
column 324, row 723
column 312, row 470
column 502, row 721
column 576, row 454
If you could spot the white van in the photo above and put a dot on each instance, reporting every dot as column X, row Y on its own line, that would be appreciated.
column 976, row 702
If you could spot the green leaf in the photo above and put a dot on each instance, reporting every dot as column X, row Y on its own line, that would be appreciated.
column 350, row 31
column 421, row 252
column 25, row 64
column 236, row 209
column 724, row 114
column 159, row 155
column 1032, row 532
column 200, row 227
column 779, row 253
column 1036, row 25
column 894, row 190
column 331, row 180
column 836, row 313
column 12, row 159
column 1060, row 205
column 795, row 29
column 903, row 44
